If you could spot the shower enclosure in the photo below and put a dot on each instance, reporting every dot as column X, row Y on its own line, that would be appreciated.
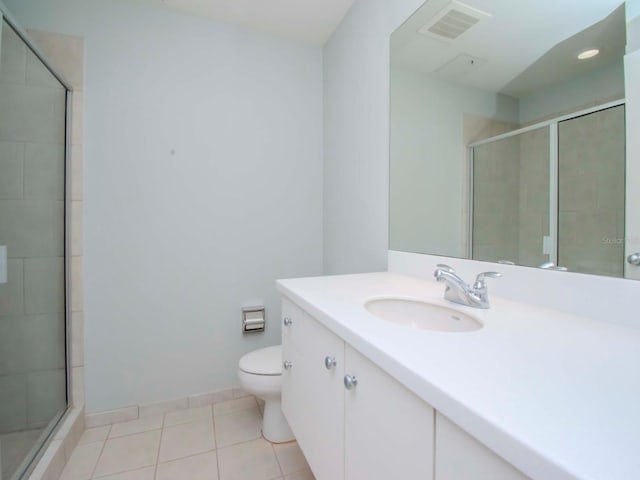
column 33, row 268
column 553, row 194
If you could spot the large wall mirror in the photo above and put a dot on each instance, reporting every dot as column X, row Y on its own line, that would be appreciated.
column 508, row 133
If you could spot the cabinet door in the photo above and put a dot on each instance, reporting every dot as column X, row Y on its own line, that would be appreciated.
column 312, row 395
column 388, row 430
column 293, row 394
column 461, row 457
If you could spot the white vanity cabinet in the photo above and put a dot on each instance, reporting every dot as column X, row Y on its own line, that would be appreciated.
column 439, row 405
column 388, row 430
column 312, row 394
column 374, row 430
column 461, row 457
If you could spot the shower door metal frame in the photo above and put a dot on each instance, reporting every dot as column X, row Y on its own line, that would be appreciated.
column 4, row 12
column 29, row 463
column 552, row 125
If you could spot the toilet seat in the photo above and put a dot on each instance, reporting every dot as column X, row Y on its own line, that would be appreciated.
column 266, row 361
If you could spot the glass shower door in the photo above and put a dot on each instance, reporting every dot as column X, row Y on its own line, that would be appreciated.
column 511, row 197
column 591, row 199
column 33, row 374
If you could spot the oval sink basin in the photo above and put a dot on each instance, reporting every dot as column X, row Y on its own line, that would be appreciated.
column 427, row 316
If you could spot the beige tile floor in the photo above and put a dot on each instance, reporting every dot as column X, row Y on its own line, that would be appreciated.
column 219, row 442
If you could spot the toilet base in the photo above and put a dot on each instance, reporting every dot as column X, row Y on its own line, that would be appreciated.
column 275, row 427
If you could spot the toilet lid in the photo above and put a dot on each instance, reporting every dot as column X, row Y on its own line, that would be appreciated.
column 266, row 361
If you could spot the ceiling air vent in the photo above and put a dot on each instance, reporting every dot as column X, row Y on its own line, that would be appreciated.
column 453, row 20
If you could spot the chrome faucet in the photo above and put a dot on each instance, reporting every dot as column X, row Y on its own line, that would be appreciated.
column 458, row 291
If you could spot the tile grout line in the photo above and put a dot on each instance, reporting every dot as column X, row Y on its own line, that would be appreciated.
column 186, row 456
column 215, row 441
column 102, row 477
column 155, row 470
column 162, row 428
column 24, row 172
column 235, row 444
column 134, row 433
column 95, row 467
column 245, row 440
column 273, row 448
column 238, row 410
column 193, row 420
column 222, row 447
column 180, row 458
column 23, row 262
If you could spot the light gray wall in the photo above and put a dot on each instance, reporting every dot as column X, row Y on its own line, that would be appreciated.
column 632, row 9
column 203, row 185
column 428, row 158
column 590, row 89
column 633, row 25
column 356, row 136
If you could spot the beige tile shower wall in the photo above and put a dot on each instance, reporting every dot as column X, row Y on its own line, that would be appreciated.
column 32, row 132
column 475, row 129
column 591, row 202
column 495, row 200
column 67, row 54
column 511, row 193
column 534, row 197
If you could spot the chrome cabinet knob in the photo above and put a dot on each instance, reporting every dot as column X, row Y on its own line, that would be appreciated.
column 329, row 362
column 287, row 365
column 350, row 382
column 287, row 322
column 634, row 259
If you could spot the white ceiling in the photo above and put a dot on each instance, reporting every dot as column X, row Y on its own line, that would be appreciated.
column 517, row 35
column 309, row 21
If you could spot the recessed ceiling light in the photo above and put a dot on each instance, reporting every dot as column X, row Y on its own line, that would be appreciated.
column 592, row 52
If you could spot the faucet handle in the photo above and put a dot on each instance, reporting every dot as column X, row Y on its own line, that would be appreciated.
column 446, row 268
column 481, row 277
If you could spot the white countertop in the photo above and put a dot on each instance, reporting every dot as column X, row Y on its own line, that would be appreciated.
column 556, row 395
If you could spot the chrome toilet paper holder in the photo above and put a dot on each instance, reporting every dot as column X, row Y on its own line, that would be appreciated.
column 253, row 320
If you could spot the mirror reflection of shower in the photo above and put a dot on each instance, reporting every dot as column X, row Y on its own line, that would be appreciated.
column 553, row 195
column 527, row 105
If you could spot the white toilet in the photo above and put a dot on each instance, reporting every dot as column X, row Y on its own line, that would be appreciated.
column 260, row 374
